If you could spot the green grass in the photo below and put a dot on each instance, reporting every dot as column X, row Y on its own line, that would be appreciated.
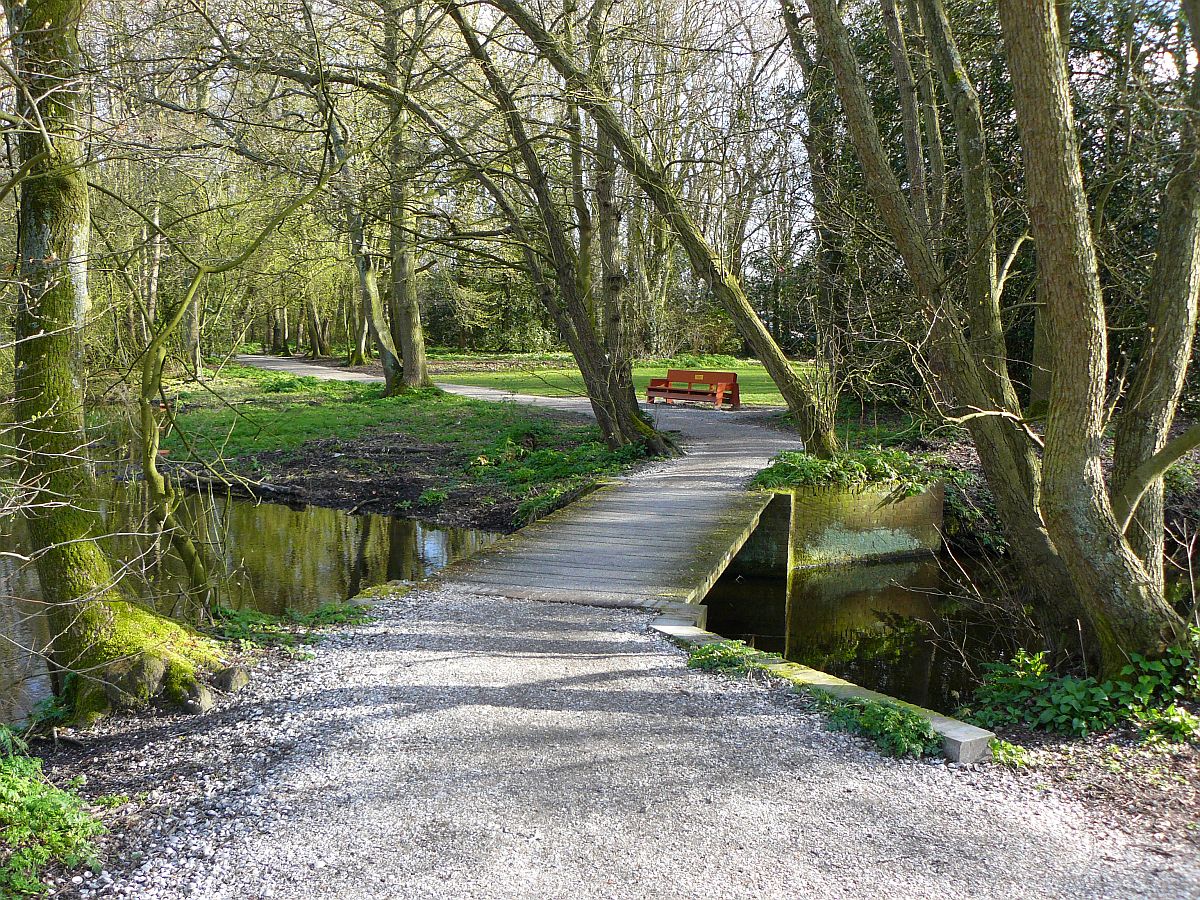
column 40, row 823
column 535, row 458
column 755, row 384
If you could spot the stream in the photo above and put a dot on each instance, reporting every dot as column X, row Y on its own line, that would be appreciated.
column 276, row 558
column 912, row 629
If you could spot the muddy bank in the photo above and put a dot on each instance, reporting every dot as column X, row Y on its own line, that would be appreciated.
column 385, row 473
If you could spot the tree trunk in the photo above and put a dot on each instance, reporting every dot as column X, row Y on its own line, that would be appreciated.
column 318, row 330
column 371, row 303
column 1128, row 611
column 92, row 624
column 407, row 331
column 406, row 310
column 192, row 351
column 1173, row 308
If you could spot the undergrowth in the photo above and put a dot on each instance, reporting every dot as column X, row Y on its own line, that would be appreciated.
column 729, row 656
column 895, row 729
column 40, row 823
column 1150, row 695
column 892, row 467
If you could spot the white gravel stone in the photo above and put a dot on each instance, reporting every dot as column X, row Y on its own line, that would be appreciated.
column 470, row 747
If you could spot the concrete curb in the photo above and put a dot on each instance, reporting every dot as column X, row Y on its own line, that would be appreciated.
column 962, row 743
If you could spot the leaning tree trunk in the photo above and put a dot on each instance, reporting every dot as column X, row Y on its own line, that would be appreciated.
column 370, row 300
column 817, row 433
column 93, row 625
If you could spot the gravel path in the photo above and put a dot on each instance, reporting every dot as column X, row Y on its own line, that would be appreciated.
column 464, row 746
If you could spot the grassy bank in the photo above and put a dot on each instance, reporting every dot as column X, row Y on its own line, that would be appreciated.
column 425, row 453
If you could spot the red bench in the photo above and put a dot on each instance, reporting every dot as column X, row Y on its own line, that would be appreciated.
column 697, row 386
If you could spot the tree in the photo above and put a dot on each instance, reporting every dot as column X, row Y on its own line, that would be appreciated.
column 815, row 427
column 1056, row 512
column 97, row 634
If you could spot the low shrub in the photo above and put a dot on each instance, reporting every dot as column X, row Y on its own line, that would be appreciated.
column 1146, row 694
column 433, row 497
column 908, row 473
column 728, row 656
column 40, row 823
column 1006, row 754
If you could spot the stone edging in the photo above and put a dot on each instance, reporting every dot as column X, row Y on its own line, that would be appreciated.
column 683, row 623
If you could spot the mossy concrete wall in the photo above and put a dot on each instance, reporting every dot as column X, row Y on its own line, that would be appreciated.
column 810, row 527
column 765, row 552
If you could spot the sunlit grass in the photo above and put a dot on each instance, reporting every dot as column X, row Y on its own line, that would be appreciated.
column 755, row 384
column 533, row 456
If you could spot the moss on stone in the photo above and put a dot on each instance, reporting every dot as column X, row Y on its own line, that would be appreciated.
column 142, row 653
column 380, row 591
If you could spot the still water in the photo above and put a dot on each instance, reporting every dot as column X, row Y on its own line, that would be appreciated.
column 275, row 558
column 910, row 629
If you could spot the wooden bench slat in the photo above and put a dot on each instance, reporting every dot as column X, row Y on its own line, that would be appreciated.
column 696, row 385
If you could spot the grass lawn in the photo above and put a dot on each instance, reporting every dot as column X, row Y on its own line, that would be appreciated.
column 756, row 385
column 257, row 423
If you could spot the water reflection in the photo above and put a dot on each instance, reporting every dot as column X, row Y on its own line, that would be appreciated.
column 274, row 558
column 899, row 627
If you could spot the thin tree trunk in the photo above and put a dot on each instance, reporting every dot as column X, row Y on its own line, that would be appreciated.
column 1173, row 308
column 191, row 336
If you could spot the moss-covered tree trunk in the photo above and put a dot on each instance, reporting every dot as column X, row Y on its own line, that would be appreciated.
column 93, row 627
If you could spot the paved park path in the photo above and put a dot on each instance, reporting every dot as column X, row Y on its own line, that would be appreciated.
column 475, row 746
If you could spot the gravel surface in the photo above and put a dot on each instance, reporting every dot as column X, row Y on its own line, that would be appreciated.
column 461, row 746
